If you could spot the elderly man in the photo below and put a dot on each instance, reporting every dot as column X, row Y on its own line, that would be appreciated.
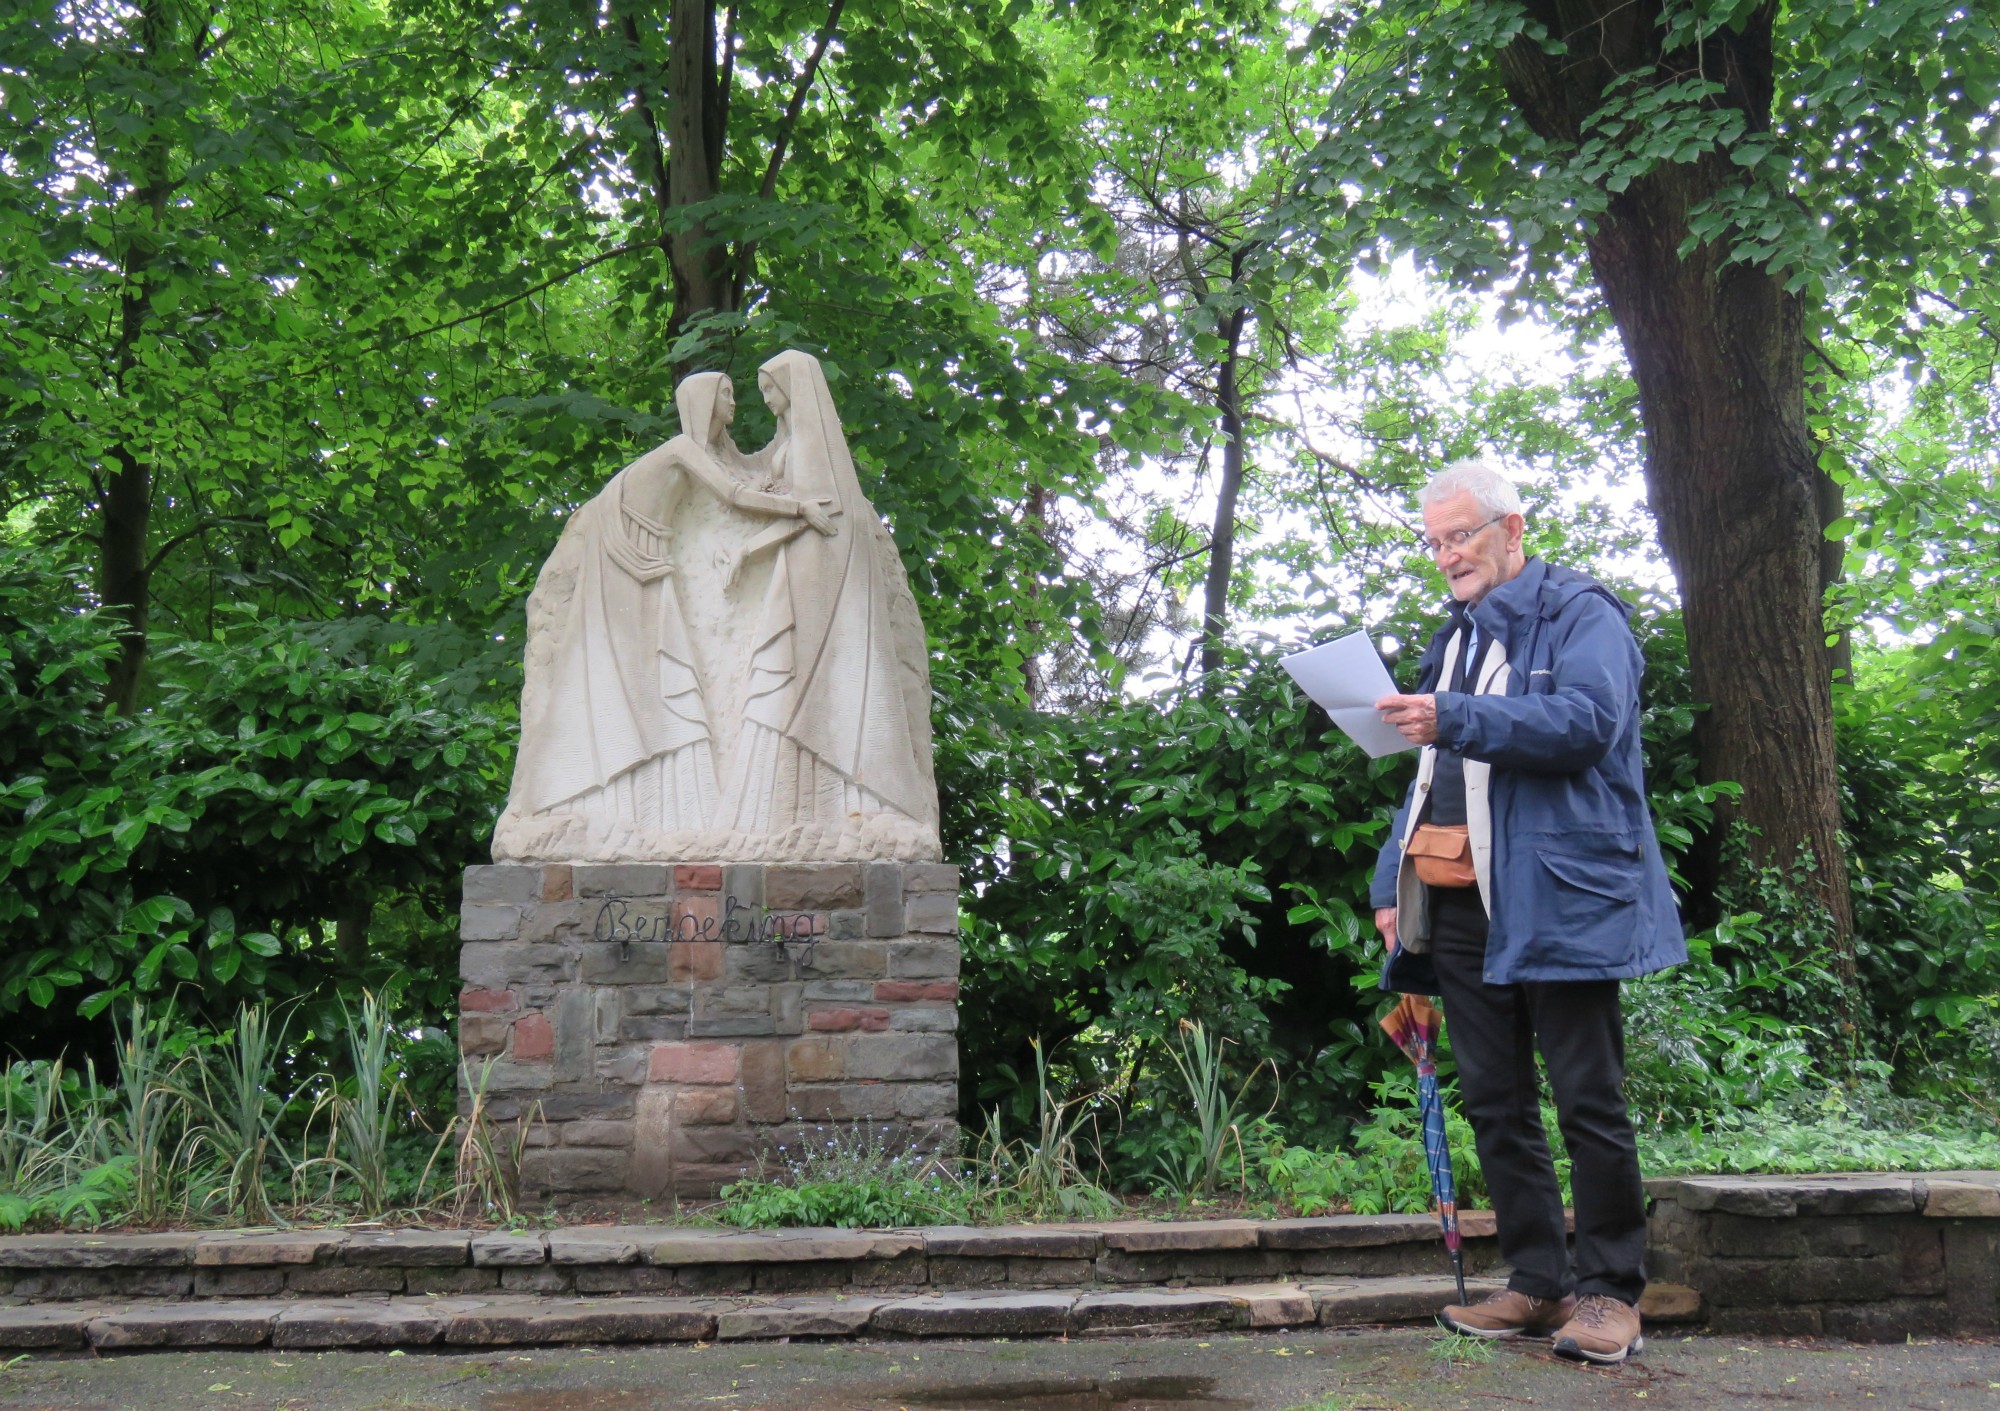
column 1524, row 862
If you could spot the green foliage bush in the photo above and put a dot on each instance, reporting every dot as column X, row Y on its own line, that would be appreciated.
column 272, row 785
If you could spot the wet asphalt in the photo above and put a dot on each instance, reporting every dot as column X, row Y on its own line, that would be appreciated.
column 1384, row 1370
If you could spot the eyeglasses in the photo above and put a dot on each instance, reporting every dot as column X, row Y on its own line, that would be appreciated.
column 1457, row 539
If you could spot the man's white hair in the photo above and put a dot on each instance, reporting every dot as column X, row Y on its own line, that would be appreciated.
column 1493, row 492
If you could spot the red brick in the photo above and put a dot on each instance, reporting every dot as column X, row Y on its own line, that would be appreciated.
column 534, row 1038
column 697, row 917
column 916, row 989
column 488, row 1001
column 839, row 1020
column 697, row 879
column 692, row 1063
column 556, row 882
column 694, row 960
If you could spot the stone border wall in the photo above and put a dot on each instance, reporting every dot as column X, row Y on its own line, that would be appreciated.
column 1871, row 1258
column 658, row 1259
column 663, row 1026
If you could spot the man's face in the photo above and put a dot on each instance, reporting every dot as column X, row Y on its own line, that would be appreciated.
column 1490, row 557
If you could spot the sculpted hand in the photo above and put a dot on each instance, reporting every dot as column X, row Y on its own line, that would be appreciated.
column 1385, row 922
column 818, row 518
column 1415, row 717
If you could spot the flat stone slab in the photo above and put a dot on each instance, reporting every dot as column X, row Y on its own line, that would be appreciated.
column 1130, row 1310
column 781, row 1247
column 165, row 1251
column 237, row 1251
column 1015, row 1242
column 1970, row 1195
column 608, row 1244
column 509, row 1251
column 977, row 1315
column 1180, row 1236
column 209, row 1323
column 410, row 1249
column 47, row 1325
column 1348, row 1231
column 1778, row 1197
column 1670, row 1303
column 1365, row 1301
column 798, row 1318
column 364, row 1322
column 506, row 1322
column 1268, row 1305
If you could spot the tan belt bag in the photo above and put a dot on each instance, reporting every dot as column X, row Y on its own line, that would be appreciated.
column 1442, row 856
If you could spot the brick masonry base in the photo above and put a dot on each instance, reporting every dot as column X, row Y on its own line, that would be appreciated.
column 661, row 1027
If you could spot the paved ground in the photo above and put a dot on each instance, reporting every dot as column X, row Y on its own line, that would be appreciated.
column 1400, row 1370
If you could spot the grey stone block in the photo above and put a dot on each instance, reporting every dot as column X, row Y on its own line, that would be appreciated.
column 930, row 877
column 215, row 1324
column 495, row 965
column 623, row 879
column 578, row 1172
column 1348, row 1231
column 1151, row 1310
column 568, row 1107
column 641, row 963
column 104, row 1283
column 976, row 1315
column 902, row 1057
column 624, row 1278
column 745, row 882
column 846, row 991
column 801, row 1317
column 1024, row 1241
column 164, row 1251
column 292, row 1247
column 489, row 921
column 359, row 1323
column 340, row 1278
column 1415, row 1300
column 567, row 921
column 651, row 1028
column 847, row 925
column 439, row 1282
column 925, row 1019
column 658, row 999
column 502, row 883
column 238, row 1283
column 429, row 1249
column 599, row 1245
column 539, row 1280
column 923, row 960
column 954, row 1273
column 608, row 1010
column 932, row 912
column 513, row 1322
column 41, row 1326
column 597, row 1131
column 919, row 1100
column 883, row 899
column 508, row 1250
column 850, row 960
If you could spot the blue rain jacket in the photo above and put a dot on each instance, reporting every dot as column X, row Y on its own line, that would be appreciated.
column 1579, row 891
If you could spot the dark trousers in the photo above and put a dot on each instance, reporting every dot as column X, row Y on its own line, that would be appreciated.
column 1579, row 1028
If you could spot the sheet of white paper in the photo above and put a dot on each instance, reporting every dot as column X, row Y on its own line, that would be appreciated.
column 1347, row 677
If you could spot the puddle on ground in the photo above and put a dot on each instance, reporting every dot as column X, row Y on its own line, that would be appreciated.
column 1043, row 1394
column 1049, row 1394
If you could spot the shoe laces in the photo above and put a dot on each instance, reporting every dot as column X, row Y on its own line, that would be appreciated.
column 1594, row 1310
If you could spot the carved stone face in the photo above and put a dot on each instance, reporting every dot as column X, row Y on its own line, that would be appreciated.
column 774, row 395
column 725, row 409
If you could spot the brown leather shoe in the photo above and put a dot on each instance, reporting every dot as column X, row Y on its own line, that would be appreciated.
column 1508, row 1314
column 1603, row 1329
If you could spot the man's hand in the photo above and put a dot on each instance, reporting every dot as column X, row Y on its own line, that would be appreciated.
column 1385, row 922
column 818, row 518
column 1415, row 717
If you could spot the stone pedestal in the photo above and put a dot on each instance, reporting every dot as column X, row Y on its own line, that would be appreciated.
column 670, row 1023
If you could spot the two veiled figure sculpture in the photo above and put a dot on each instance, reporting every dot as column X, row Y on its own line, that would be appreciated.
column 724, row 660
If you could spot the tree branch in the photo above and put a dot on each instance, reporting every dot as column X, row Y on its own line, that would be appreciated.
column 769, row 186
column 160, row 554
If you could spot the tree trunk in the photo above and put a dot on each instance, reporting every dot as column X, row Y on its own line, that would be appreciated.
column 1222, row 541
column 1718, row 352
column 695, row 121
column 125, row 501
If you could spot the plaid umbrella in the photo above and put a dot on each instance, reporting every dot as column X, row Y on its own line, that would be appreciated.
column 1414, row 1025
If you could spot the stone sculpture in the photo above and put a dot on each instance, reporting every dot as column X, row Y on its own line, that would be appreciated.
column 724, row 660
